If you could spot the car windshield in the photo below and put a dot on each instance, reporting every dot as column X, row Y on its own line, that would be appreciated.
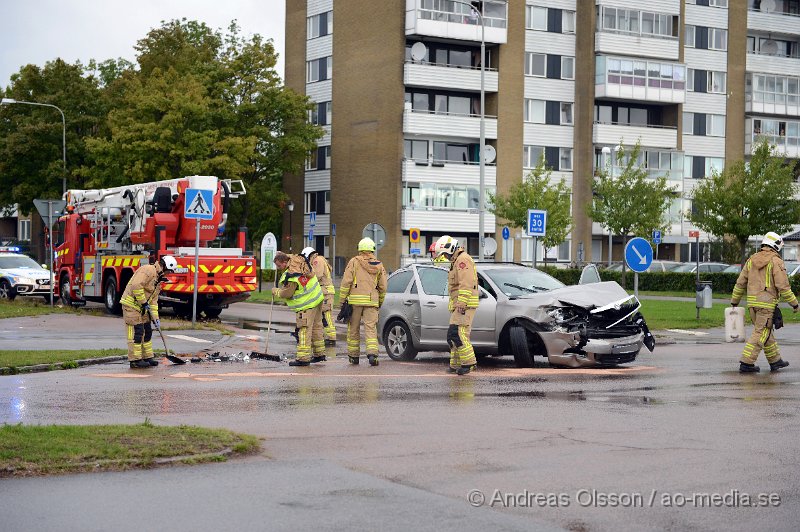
column 735, row 268
column 17, row 261
column 521, row 281
column 684, row 268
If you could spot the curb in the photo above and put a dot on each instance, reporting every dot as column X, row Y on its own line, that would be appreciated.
column 38, row 368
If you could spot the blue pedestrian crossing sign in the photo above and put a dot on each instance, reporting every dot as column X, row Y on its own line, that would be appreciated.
column 656, row 237
column 199, row 204
column 638, row 254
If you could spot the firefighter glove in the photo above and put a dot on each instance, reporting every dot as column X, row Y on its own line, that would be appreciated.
column 795, row 308
column 461, row 307
column 275, row 292
column 734, row 305
column 452, row 336
column 157, row 324
column 145, row 308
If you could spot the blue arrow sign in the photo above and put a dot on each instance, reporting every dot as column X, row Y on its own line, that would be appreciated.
column 312, row 219
column 656, row 237
column 537, row 222
column 333, row 229
column 638, row 254
column 506, row 233
column 199, row 204
column 310, row 234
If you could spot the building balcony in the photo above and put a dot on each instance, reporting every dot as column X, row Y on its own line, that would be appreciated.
column 781, row 104
column 637, row 45
column 773, row 22
column 445, row 220
column 636, row 79
column 781, row 133
column 649, row 136
column 424, row 19
column 449, row 77
column 772, row 64
column 450, row 173
column 447, row 125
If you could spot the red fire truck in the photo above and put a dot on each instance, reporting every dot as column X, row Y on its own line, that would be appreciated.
column 108, row 233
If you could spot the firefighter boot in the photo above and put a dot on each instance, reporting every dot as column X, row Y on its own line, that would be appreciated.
column 463, row 370
column 373, row 360
column 775, row 366
column 139, row 364
column 318, row 358
column 353, row 359
column 299, row 363
column 152, row 361
column 748, row 368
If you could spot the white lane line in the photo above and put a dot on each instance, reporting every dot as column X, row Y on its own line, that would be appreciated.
column 694, row 333
column 189, row 338
column 250, row 337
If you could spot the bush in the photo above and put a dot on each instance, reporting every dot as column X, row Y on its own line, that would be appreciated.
column 268, row 275
column 722, row 283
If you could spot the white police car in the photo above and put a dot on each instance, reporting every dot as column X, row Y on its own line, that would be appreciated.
column 20, row 275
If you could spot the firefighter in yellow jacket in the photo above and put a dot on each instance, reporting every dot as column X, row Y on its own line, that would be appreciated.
column 322, row 270
column 140, row 307
column 764, row 280
column 364, row 287
column 462, row 284
column 299, row 288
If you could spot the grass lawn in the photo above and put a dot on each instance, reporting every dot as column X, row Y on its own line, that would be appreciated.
column 715, row 295
column 27, row 307
column 54, row 449
column 682, row 315
column 62, row 358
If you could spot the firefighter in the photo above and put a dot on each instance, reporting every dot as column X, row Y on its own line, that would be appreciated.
column 462, row 284
column 766, row 283
column 300, row 290
column 364, row 287
column 322, row 269
column 140, row 308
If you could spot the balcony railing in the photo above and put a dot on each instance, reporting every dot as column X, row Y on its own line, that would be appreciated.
column 637, row 79
column 423, row 74
column 649, row 135
column 451, row 20
column 447, row 124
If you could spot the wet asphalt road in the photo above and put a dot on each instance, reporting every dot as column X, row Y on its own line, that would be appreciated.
column 402, row 446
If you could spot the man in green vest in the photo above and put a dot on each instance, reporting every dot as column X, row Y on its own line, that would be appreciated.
column 300, row 290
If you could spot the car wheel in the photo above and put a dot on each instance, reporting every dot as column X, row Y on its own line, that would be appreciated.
column 518, row 338
column 398, row 342
column 110, row 297
column 212, row 312
column 63, row 289
column 7, row 291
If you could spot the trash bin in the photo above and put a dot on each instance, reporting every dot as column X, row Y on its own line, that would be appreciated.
column 704, row 294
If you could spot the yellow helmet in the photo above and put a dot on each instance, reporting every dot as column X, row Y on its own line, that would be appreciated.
column 366, row 244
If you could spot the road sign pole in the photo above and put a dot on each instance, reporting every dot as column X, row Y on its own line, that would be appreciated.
column 697, row 270
column 636, row 284
column 333, row 252
column 535, row 245
column 196, row 267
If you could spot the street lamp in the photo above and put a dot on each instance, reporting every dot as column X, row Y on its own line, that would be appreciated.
column 9, row 101
column 290, row 206
column 481, row 187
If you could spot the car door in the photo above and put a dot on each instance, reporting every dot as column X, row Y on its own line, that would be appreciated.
column 485, row 321
column 433, row 299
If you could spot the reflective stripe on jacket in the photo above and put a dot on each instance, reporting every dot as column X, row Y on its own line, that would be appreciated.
column 322, row 270
column 462, row 282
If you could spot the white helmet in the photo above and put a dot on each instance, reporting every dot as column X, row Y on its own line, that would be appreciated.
column 446, row 244
column 169, row 263
column 773, row 240
column 307, row 252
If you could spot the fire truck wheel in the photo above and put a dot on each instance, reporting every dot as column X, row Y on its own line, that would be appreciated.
column 182, row 310
column 7, row 291
column 110, row 297
column 212, row 312
column 63, row 289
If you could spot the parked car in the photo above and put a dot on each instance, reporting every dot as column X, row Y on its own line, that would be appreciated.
column 705, row 267
column 522, row 312
column 792, row 267
column 20, row 275
column 733, row 268
column 655, row 266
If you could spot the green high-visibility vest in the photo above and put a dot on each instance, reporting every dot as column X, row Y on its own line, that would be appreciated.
column 304, row 297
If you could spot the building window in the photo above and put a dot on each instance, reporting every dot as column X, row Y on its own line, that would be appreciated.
column 319, row 159
column 780, row 90
column 318, row 202
column 634, row 22
column 536, row 18
column 707, row 81
column 443, row 103
column 568, row 22
column 565, row 159
column 534, row 111
column 416, row 150
column 704, row 124
column 557, row 159
column 321, row 114
column 780, row 133
column 531, row 156
column 320, row 25
column 567, row 67
column 711, row 3
column 566, row 113
column 24, row 230
column 535, row 64
column 703, row 37
column 549, row 19
column 699, row 167
column 319, row 69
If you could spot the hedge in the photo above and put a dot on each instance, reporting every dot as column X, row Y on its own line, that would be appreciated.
column 722, row 283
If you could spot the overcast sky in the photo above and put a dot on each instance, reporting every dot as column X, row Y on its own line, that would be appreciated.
column 37, row 31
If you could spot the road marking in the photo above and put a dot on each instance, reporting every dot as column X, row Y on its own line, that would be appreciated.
column 250, row 337
column 121, row 375
column 189, row 338
column 693, row 333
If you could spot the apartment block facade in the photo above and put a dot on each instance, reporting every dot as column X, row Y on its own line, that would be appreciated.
column 397, row 86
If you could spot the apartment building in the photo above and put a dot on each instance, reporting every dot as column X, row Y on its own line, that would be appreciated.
column 397, row 87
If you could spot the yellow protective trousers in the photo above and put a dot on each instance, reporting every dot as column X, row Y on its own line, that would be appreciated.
column 140, row 343
column 309, row 333
column 763, row 337
column 369, row 317
column 464, row 354
column 330, row 326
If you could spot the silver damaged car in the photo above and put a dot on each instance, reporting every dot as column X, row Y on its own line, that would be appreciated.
column 523, row 312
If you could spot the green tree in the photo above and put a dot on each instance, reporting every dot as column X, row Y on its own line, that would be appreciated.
column 627, row 202
column 537, row 192
column 31, row 155
column 748, row 198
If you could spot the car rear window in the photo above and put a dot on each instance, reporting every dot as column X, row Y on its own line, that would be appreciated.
column 398, row 282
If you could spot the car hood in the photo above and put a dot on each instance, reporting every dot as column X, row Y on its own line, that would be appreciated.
column 587, row 296
column 36, row 273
